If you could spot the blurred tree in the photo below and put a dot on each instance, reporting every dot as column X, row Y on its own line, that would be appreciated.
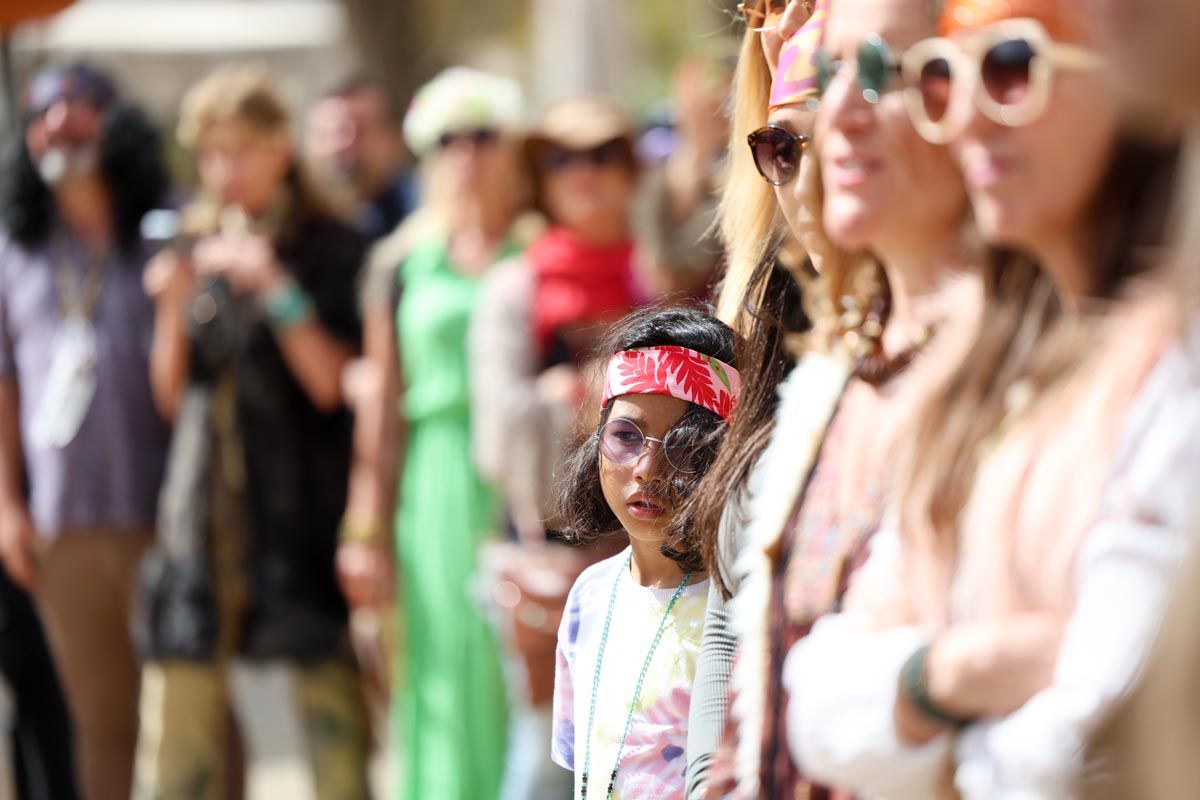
column 405, row 42
column 668, row 31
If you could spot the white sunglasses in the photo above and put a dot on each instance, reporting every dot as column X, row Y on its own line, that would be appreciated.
column 1005, row 69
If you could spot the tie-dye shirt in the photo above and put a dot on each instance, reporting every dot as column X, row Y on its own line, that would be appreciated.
column 653, row 763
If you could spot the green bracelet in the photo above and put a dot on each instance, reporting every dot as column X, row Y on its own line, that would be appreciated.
column 287, row 305
column 916, row 687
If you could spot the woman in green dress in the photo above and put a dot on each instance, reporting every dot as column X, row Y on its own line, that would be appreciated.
column 448, row 710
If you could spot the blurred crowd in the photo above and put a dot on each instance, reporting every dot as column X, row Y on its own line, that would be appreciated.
column 335, row 451
column 266, row 437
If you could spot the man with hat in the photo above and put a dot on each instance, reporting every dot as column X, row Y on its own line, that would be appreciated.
column 81, row 446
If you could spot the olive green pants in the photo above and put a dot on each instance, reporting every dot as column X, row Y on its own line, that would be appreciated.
column 303, row 728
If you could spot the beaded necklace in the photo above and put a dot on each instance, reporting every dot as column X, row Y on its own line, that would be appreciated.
column 637, row 691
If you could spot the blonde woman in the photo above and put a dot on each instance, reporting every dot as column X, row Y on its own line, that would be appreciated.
column 255, row 319
column 887, row 246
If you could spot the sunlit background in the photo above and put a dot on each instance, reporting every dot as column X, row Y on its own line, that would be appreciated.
column 155, row 48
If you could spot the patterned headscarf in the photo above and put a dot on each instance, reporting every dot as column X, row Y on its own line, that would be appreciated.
column 796, row 76
column 461, row 99
column 677, row 372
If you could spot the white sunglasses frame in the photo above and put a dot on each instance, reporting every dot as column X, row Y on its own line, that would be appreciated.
column 966, row 57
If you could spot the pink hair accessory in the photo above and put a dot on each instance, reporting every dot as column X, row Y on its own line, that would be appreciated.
column 796, row 75
column 677, row 372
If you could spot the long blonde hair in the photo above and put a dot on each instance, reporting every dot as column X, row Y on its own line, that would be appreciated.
column 768, row 294
column 755, row 235
column 748, row 215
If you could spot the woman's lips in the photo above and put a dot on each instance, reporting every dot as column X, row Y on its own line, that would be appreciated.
column 848, row 173
column 644, row 509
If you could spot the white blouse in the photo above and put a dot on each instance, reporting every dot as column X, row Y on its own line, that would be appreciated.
column 844, row 676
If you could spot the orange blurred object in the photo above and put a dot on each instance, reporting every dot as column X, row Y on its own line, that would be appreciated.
column 13, row 12
column 1060, row 17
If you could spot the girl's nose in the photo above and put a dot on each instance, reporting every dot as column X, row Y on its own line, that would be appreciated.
column 646, row 465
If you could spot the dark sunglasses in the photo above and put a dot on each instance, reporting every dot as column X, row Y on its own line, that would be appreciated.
column 479, row 137
column 554, row 158
column 777, row 153
column 622, row 442
column 878, row 68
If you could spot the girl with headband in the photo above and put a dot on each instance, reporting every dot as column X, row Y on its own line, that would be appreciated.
column 880, row 213
column 630, row 634
column 1044, row 503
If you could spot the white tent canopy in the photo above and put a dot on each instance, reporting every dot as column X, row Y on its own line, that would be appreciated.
column 187, row 27
column 156, row 48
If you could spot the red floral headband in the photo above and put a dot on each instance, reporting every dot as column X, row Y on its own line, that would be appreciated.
column 677, row 372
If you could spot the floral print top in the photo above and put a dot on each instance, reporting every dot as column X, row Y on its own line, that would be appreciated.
column 653, row 761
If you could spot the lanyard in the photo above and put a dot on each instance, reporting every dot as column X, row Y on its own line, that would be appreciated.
column 78, row 298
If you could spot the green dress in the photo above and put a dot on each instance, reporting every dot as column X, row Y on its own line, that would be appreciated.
column 450, row 710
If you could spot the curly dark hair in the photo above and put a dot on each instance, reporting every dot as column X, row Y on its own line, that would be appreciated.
column 131, row 162
column 584, row 513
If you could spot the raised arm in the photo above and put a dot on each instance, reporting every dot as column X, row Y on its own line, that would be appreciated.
column 170, row 283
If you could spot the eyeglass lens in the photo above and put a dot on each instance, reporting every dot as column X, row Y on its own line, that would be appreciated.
column 876, row 67
column 478, row 137
column 1005, row 71
column 608, row 154
column 777, row 154
column 622, row 442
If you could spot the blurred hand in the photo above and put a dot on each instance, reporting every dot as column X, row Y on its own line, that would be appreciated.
column 561, row 385
column 700, row 118
column 365, row 574
column 247, row 262
column 991, row 669
column 17, row 539
column 794, row 16
column 169, row 280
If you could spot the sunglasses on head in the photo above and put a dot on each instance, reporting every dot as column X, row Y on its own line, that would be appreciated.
column 878, row 67
column 1005, row 69
column 777, row 153
column 554, row 158
column 479, row 137
column 762, row 15
column 622, row 442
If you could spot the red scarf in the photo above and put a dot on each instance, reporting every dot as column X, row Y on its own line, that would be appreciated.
column 578, row 283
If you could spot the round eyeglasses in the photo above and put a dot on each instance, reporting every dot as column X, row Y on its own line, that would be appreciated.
column 622, row 442
column 1006, row 69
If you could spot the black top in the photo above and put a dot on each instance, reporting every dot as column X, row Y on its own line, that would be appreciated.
column 296, row 467
column 381, row 216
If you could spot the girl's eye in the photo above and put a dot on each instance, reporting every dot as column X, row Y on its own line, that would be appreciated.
column 626, row 437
